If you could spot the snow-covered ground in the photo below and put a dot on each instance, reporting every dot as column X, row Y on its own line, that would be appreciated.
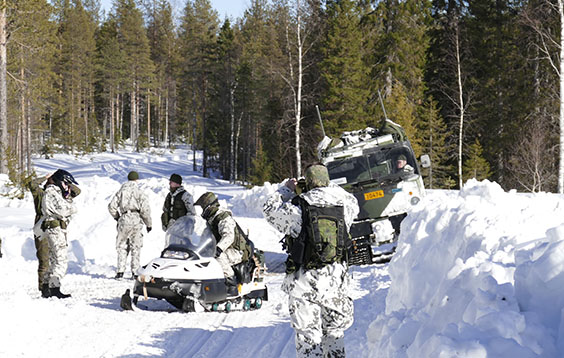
column 478, row 273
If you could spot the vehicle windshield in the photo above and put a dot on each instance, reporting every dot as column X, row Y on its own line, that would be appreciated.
column 378, row 165
column 192, row 232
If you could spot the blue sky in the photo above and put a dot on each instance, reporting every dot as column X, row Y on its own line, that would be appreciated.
column 232, row 8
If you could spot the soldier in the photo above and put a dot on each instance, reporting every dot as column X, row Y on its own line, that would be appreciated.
column 41, row 244
column 402, row 165
column 130, row 208
column 232, row 247
column 56, row 209
column 317, row 281
column 177, row 203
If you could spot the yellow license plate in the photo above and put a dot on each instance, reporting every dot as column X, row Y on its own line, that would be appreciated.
column 374, row 195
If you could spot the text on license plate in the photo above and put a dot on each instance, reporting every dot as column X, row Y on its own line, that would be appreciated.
column 374, row 195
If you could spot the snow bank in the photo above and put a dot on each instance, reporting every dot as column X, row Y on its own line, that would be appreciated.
column 477, row 274
column 249, row 202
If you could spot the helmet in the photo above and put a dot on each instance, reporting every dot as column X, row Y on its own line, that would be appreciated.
column 133, row 175
column 207, row 199
column 208, row 202
column 316, row 176
column 63, row 176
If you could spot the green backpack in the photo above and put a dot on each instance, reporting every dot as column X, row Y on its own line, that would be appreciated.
column 324, row 238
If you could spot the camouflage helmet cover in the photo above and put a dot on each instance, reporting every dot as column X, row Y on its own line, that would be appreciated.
column 316, row 176
column 207, row 199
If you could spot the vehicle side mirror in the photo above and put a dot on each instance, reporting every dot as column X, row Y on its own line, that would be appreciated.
column 425, row 161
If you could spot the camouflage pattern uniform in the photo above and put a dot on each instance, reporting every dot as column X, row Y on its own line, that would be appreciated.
column 177, row 203
column 229, row 255
column 130, row 207
column 319, row 304
column 41, row 245
column 56, row 211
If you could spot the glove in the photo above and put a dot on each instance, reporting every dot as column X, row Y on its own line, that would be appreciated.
column 218, row 251
column 116, row 218
column 149, row 229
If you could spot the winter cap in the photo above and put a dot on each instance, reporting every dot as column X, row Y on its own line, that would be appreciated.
column 176, row 179
column 133, row 175
column 402, row 157
column 316, row 176
column 207, row 199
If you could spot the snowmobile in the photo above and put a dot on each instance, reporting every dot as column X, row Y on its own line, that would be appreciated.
column 188, row 276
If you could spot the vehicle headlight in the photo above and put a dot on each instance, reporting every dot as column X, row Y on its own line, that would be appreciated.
column 415, row 200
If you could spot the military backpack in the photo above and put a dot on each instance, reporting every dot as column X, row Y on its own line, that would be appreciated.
column 241, row 243
column 324, row 238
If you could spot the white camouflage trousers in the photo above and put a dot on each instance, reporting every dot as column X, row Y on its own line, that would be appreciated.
column 58, row 256
column 320, row 311
column 229, row 258
column 129, row 240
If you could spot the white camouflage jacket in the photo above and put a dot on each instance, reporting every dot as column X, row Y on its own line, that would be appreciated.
column 54, row 206
column 287, row 217
column 131, row 199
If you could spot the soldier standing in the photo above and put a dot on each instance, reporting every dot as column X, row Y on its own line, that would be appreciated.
column 317, row 280
column 56, row 209
column 232, row 247
column 177, row 203
column 42, row 244
column 130, row 208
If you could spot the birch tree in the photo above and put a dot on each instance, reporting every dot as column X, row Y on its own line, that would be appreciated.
column 3, row 91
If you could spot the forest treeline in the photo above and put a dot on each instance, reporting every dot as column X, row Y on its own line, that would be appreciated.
column 474, row 83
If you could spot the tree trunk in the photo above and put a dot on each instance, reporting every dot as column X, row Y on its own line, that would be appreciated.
column 232, row 134
column 299, row 94
column 3, row 92
column 461, row 107
column 149, row 117
column 561, row 78
column 113, row 110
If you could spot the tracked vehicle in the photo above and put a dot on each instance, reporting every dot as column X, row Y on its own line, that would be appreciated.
column 364, row 163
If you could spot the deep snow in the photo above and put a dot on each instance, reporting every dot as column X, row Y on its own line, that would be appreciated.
column 478, row 273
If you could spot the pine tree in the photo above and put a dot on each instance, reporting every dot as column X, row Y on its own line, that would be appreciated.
column 76, row 69
column 476, row 166
column 501, row 100
column 225, row 115
column 164, row 53
column 135, row 45
column 198, row 35
column 343, row 70
column 32, row 51
column 434, row 136
column 111, row 71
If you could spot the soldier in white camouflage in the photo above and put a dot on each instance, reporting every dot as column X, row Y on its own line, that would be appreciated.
column 41, row 243
column 130, row 208
column 232, row 247
column 57, row 208
column 319, row 303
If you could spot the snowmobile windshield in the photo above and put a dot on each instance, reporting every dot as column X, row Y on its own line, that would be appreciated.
column 193, row 234
column 377, row 165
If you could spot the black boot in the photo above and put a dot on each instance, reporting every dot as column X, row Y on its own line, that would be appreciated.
column 231, row 284
column 56, row 292
column 119, row 275
column 126, row 301
column 45, row 292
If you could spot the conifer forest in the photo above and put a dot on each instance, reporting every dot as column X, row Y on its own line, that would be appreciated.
column 477, row 85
